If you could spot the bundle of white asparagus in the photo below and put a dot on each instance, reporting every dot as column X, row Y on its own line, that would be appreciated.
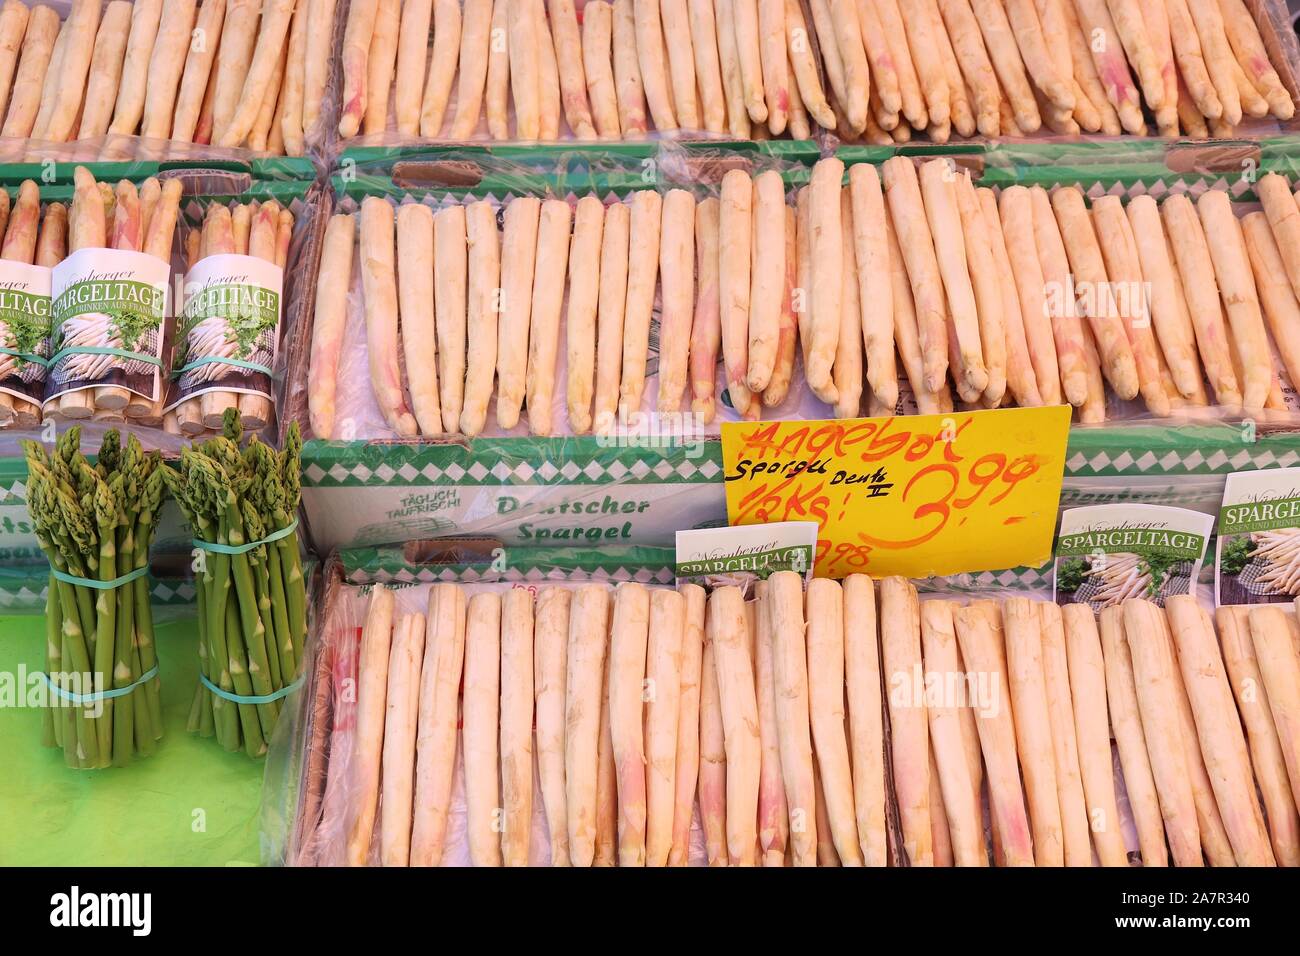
column 40, row 237
column 1029, row 67
column 230, row 73
column 1026, row 297
column 139, row 219
column 264, row 231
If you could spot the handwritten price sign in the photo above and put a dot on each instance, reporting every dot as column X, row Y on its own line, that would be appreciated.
column 921, row 495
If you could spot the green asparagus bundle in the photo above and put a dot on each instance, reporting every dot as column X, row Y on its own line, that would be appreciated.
column 95, row 524
column 243, row 505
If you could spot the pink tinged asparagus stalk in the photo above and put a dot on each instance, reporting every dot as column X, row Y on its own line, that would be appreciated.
column 1284, row 216
column 611, row 305
column 642, row 269
column 482, row 303
column 450, row 253
column 687, row 759
column 372, row 689
column 548, row 300
column 866, row 728
column 516, row 719
column 662, row 711
column 1016, row 208
column 1087, row 684
column 706, row 327
column 1065, row 747
column 773, row 812
column 982, row 656
column 479, row 726
column 415, row 295
column 739, row 706
column 379, row 285
column 518, row 256
column 402, row 715
column 583, row 691
column 875, row 290
column 677, row 271
column 784, row 607
column 957, row 791
column 824, row 297
column 475, row 52
column 580, row 320
column 900, row 632
column 1169, row 314
column 778, row 387
column 1279, row 665
column 1222, row 741
column 551, row 630
column 627, row 673
column 987, row 289
column 768, row 275
column 606, row 780
column 1061, row 306
column 713, row 756
column 355, row 57
column 443, row 61
column 734, row 237
column 435, row 744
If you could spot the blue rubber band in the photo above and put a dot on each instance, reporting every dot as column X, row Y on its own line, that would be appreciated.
column 245, row 548
column 251, row 698
column 97, row 584
column 101, row 694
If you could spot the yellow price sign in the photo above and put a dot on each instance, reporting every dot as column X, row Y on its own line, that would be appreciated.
column 920, row 495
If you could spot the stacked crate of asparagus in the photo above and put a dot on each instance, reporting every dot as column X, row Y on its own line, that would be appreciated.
column 230, row 73
column 234, row 329
column 95, row 524
column 1032, row 67
column 1026, row 297
column 39, row 237
column 243, row 505
column 624, row 69
column 124, row 347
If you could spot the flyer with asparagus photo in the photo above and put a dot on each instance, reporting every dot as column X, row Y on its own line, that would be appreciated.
column 109, row 308
column 1257, row 559
column 229, row 327
column 1107, row 554
column 24, row 329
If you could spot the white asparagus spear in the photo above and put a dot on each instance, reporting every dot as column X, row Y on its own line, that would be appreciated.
column 74, row 65
column 807, row 84
column 412, row 54
column 982, row 654
column 939, row 193
column 316, row 65
column 332, row 285
column 900, row 638
column 885, row 89
column 1265, row 749
column 611, row 305
column 827, row 266
column 415, row 270
column 518, row 256
column 1016, row 208
column 1132, row 29
column 866, row 730
column 234, row 54
column 853, row 54
column 846, row 373
column 551, row 630
column 195, row 79
column 1244, row 37
column 923, row 45
column 744, row 16
column 677, row 295
column 627, row 72
column 784, row 606
column 496, row 93
column 1049, row 75
column 379, row 284
column 355, row 62
column 1283, row 215
column 651, row 58
column 1219, row 60
column 1168, row 311
column 1087, row 685
column 472, row 59
column 606, row 824
column 911, row 99
column 832, row 62
column 1130, row 738
column 548, row 94
column 788, row 334
column 583, row 690
column 961, row 117
column 482, row 304
column 548, row 299
column 642, row 270
column 733, row 85
column 773, row 811
column 1222, row 742
column 1065, row 746
column 964, row 32
column 450, row 253
column 479, row 725
column 907, row 212
column 1062, row 309
column 987, row 286
column 627, row 672
column 739, row 706
column 33, row 62
column 105, row 69
column 681, row 62
column 598, row 67
column 444, row 58
column 775, row 64
column 1020, row 369
column 1198, row 87
column 516, row 718
column 1155, row 678
column 525, row 70
column 402, row 712
column 580, row 319
column 957, row 792
column 273, row 29
column 687, row 757
column 706, row 328
column 48, row 88
column 663, row 690
column 768, row 238
column 708, row 72
column 1279, row 665
column 1280, row 306
column 435, row 743
column 1196, row 269
column 1033, row 729
column 735, row 224
column 825, row 615
column 1237, row 287
column 713, row 757
column 568, row 53
column 372, row 687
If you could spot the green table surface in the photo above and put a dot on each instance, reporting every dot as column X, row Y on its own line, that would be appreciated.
column 190, row 804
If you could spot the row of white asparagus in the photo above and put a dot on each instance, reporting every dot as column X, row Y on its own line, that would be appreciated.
column 748, row 68
column 1026, row 297
column 36, row 236
column 1025, row 67
column 648, row 702
column 1280, row 553
column 263, row 231
column 230, row 73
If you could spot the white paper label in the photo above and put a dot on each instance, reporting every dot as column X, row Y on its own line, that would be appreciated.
column 109, row 312
column 24, row 328
column 1109, row 553
column 722, row 555
column 1257, row 558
